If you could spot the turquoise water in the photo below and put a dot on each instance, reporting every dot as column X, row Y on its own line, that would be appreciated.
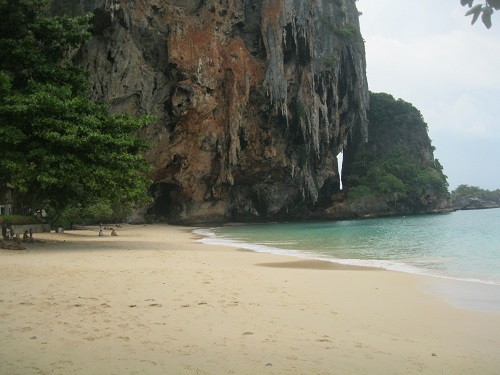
column 463, row 245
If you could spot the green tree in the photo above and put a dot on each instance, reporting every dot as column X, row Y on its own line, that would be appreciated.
column 57, row 147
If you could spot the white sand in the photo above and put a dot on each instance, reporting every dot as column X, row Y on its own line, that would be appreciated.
column 155, row 301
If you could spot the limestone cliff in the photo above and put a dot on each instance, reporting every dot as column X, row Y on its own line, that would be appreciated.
column 254, row 99
column 395, row 172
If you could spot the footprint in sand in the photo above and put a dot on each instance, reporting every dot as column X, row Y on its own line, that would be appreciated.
column 148, row 361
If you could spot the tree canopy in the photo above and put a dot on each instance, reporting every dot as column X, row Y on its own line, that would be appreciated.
column 58, row 148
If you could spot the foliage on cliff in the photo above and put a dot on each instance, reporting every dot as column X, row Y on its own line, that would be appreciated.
column 397, row 164
column 57, row 147
column 253, row 99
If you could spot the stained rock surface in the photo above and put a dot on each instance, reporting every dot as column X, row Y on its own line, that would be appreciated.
column 254, row 100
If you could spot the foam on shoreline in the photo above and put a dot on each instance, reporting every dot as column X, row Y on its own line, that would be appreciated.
column 462, row 292
column 210, row 238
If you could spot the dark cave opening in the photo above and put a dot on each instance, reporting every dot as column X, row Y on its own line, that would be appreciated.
column 163, row 206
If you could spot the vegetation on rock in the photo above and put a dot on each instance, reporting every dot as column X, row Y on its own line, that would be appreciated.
column 465, row 196
column 397, row 165
column 58, row 148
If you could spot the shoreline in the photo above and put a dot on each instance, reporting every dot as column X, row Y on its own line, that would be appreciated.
column 154, row 300
column 451, row 289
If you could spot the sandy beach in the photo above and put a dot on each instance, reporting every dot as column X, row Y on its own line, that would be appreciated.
column 154, row 300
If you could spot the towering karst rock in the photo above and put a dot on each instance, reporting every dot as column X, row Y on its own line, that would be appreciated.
column 395, row 172
column 254, row 99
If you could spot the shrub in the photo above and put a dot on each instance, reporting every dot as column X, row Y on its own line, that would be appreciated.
column 18, row 220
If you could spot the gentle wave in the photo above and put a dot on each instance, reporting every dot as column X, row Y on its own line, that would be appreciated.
column 210, row 238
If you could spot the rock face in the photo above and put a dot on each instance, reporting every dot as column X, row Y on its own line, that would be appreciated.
column 395, row 172
column 254, row 99
column 474, row 204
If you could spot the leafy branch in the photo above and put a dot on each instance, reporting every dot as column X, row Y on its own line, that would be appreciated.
column 483, row 10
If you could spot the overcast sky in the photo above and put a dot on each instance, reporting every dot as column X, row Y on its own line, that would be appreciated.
column 427, row 53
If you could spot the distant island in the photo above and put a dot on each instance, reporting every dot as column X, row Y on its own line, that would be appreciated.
column 467, row 197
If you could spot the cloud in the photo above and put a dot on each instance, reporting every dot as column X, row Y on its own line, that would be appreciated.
column 427, row 53
column 458, row 59
column 408, row 18
column 451, row 77
column 455, row 88
column 466, row 115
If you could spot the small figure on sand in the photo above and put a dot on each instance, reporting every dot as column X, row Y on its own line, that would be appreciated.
column 100, row 232
column 113, row 233
column 28, row 236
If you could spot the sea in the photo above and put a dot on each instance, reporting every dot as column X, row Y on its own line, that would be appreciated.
column 461, row 248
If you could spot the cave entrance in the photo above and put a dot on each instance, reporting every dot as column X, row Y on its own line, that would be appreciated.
column 331, row 191
column 163, row 205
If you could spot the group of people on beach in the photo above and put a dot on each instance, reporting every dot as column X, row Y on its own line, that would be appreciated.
column 9, row 234
column 113, row 231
